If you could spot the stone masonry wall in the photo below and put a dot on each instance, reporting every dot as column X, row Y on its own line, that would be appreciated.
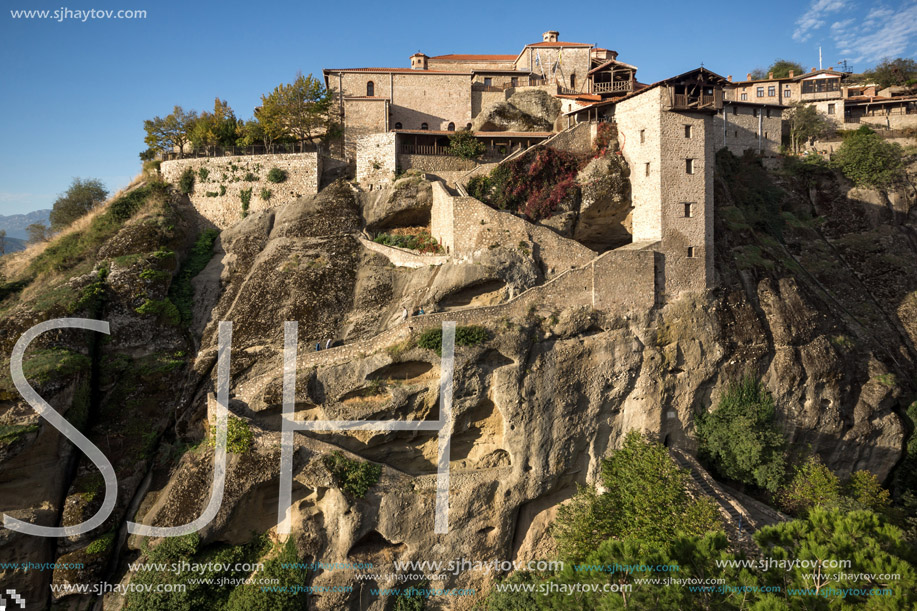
column 363, row 117
column 435, row 163
column 376, row 160
column 617, row 282
column 218, row 196
column 401, row 257
column 737, row 128
column 465, row 226
column 639, row 121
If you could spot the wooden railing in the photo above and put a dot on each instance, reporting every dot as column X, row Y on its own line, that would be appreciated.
column 681, row 100
column 612, row 87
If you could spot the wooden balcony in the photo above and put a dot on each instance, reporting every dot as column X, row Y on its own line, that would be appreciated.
column 615, row 87
column 681, row 101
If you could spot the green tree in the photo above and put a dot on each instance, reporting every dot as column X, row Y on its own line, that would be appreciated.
column 873, row 547
column 284, row 595
column 869, row 160
column 300, row 110
column 805, row 123
column 172, row 132
column 80, row 197
column 813, row 485
column 463, row 144
column 781, row 68
column 252, row 132
column 645, row 500
column 758, row 74
column 219, row 128
column 890, row 72
column 38, row 232
column 740, row 437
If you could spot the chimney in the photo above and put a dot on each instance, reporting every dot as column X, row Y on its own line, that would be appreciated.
column 814, row 69
column 792, row 72
column 830, row 67
column 550, row 36
column 729, row 78
column 770, row 75
column 748, row 76
column 419, row 61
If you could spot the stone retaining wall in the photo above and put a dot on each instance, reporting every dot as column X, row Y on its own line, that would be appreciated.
column 217, row 195
column 401, row 257
column 617, row 282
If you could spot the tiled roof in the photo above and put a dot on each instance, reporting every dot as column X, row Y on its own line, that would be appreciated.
column 472, row 58
column 559, row 44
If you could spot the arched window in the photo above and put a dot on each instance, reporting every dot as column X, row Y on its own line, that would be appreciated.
column 398, row 125
column 572, row 81
column 370, row 89
column 451, row 127
column 424, row 126
column 468, row 126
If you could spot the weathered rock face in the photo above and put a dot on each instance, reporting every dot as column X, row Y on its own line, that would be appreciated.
column 406, row 204
column 605, row 208
column 826, row 318
column 526, row 111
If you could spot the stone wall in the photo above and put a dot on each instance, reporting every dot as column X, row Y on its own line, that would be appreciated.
column 576, row 60
column 656, row 146
column 376, row 160
column 617, row 282
column 363, row 117
column 890, row 121
column 401, row 257
column 639, row 121
column 218, row 196
column 435, row 163
column 737, row 128
column 466, row 226
column 482, row 99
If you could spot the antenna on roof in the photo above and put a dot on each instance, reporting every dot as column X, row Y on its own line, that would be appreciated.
column 844, row 66
column 819, row 58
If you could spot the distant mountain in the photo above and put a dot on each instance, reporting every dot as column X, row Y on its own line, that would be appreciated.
column 13, row 244
column 15, row 224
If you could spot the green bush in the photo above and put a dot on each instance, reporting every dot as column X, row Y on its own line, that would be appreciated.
column 740, row 437
column 239, row 437
column 472, row 335
column 276, row 175
column 186, row 182
column 246, row 197
column 250, row 177
column 181, row 292
column 266, row 194
column 353, row 476
column 101, row 545
column 869, row 160
column 422, row 242
column 203, row 173
column 463, row 144
column 163, row 309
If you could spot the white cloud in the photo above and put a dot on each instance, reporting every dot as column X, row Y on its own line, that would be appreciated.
column 815, row 16
column 884, row 33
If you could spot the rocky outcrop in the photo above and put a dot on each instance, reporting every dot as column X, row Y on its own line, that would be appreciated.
column 605, row 206
column 823, row 316
column 526, row 111
column 405, row 204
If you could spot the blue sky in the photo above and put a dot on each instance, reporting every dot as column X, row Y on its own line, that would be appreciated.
column 75, row 93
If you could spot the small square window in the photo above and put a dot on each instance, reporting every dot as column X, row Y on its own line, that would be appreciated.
column 690, row 252
column 735, row 110
column 736, row 133
column 689, row 166
column 687, row 131
column 744, row 97
column 642, row 135
column 771, row 91
column 488, row 81
column 647, row 169
column 689, row 210
column 830, row 109
column 759, row 92
column 787, row 93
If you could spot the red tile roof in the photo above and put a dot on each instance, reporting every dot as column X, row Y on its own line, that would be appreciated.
column 471, row 58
